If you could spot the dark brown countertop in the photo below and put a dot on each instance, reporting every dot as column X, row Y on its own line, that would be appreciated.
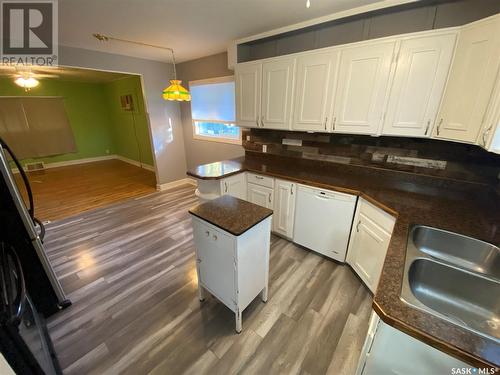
column 467, row 208
column 231, row 214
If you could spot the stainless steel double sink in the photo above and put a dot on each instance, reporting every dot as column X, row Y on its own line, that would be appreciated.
column 454, row 277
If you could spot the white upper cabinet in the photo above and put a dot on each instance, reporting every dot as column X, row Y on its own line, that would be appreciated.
column 471, row 81
column 314, row 85
column 421, row 72
column 277, row 82
column 248, row 92
column 264, row 93
column 489, row 137
column 363, row 78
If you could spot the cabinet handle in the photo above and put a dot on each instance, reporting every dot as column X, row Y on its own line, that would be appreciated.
column 333, row 123
column 257, row 121
column 207, row 233
column 270, row 197
column 262, row 121
column 427, row 128
column 225, row 185
column 259, row 177
column 357, row 226
column 326, row 121
column 439, row 126
column 485, row 135
column 215, row 237
column 291, row 189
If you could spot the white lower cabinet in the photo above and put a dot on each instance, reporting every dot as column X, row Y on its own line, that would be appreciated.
column 284, row 207
column 234, row 269
column 261, row 195
column 390, row 351
column 370, row 236
column 235, row 186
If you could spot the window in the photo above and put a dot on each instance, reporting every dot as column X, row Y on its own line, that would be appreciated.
column 213, row 111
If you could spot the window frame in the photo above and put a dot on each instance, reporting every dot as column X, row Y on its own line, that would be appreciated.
column 218, row 139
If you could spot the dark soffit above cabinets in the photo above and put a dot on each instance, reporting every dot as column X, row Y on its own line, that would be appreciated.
column 402, row 19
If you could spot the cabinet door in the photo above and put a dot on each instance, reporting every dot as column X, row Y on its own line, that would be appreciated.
column 235, row 186
column 418, row 85
column 368, row 249
column 362, row 87
column 263, row 196
column 248, row 94
column 470, row 84
column 216, row 262
column 313, row 90
column 277, row 85
column 284, row 207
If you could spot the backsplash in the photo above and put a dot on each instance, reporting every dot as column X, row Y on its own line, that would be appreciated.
column 420, row 156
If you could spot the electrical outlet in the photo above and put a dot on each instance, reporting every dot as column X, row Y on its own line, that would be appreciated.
column 264, row 148
column 248, row 138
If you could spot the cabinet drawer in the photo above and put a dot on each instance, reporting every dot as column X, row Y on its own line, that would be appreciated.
column 381, row 218
column 260, row 180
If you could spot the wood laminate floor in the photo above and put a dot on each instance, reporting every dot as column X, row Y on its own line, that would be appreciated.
column 129, row 270
column 66, row 191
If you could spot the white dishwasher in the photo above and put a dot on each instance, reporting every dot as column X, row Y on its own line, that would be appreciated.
column 323, row 221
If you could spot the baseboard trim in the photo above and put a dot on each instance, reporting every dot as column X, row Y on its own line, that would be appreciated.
column 93, row 160
column 174, row 184
column 136, row 163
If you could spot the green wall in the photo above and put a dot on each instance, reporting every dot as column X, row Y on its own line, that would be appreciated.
column 126, row 139
column 86, row 106
column 99, row 125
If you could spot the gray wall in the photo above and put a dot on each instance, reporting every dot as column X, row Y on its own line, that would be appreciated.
column 170, row 160
column 198, row 151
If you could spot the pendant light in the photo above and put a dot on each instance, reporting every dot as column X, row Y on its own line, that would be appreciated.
column 174, row 92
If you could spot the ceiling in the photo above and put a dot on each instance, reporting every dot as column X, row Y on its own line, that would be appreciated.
column 65, row 74
column 193, row 28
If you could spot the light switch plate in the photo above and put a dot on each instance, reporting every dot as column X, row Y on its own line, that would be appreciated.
column 264, row 148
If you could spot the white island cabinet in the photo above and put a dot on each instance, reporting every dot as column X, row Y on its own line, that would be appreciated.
column 232, row 240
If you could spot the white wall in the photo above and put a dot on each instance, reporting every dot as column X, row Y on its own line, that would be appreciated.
column 167, row 145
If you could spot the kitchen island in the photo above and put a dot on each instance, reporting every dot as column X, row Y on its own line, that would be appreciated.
column 232, row 239
column 464, row 207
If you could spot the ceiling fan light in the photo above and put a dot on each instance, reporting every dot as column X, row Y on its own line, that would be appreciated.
column 176, row 92
column 27, row 83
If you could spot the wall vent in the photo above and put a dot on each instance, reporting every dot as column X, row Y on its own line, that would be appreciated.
column 38, row 166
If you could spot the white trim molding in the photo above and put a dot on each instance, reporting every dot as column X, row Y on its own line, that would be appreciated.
column 67, row 163
column 176, row 183
column 136, row 163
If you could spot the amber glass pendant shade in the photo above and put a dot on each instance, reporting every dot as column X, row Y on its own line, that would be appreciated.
column 176, row 92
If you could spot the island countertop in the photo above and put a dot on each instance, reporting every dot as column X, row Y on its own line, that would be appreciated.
column 231, row 214
column 468, row 208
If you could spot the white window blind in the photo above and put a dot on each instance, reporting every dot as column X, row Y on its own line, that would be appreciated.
column 213, row 110
column 36, row 127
